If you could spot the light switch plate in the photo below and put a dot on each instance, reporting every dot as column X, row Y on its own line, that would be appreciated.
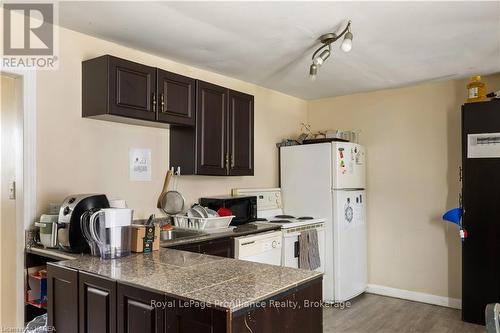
column 12, row 190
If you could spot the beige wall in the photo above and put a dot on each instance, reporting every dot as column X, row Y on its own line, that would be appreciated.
column 77, row 155
column 412, row 137
column 8, row 119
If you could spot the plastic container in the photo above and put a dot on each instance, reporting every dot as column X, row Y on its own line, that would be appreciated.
column 36, row 290
column 110, row 228
column 476, row 90
column 38, row 325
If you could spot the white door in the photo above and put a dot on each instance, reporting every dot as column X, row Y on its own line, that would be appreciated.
column 348, row 165
column 349, row 238
column 10, row 106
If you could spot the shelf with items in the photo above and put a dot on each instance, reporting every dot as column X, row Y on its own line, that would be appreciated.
column 36, row 259
column 37, row 303
column 36, row 287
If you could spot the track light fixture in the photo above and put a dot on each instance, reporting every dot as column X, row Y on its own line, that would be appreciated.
column 323, row 52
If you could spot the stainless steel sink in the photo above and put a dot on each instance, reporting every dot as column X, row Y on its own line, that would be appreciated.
column 179, row 233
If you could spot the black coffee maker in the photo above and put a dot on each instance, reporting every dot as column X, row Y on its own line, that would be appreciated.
column 69, row 234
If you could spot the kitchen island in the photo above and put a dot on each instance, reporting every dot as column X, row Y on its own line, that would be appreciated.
column 177, row 291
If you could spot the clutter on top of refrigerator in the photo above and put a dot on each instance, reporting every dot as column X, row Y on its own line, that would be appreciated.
column 349, row 136
column 309, row 136
column 494, row 94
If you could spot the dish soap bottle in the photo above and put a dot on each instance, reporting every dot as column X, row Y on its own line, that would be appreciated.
column 476, row 90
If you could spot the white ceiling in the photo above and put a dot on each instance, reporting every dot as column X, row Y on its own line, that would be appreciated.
column 270, row 43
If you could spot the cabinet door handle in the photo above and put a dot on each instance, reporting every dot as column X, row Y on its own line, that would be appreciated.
column 232, row 161
column 227, row 162
column 162, row 103
column 154, row 102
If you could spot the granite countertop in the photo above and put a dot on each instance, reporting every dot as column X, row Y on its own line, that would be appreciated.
column 245, row 229
column 225, row 283
column 53, row 253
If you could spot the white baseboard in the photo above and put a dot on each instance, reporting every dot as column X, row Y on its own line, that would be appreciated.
column 449, row 302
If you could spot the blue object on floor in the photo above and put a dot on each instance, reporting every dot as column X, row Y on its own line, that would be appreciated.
column 453, row 215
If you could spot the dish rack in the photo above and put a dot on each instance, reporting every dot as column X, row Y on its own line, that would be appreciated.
column 202, row 223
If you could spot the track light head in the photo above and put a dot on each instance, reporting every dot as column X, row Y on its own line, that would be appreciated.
column 319, row 60
column 347, row 42
column 313, row 71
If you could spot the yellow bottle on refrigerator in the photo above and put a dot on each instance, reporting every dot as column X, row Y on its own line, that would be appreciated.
column 476, row 90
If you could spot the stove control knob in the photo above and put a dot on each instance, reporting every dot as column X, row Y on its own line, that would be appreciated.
column 274, row 244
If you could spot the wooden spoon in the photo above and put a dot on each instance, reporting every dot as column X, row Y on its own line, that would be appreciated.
column 163, row 193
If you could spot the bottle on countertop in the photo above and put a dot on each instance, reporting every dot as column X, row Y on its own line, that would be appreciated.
column 476, row 90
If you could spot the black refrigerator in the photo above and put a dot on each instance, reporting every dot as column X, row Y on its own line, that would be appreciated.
column 481, row 208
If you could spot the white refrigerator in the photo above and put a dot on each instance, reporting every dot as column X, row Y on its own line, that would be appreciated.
column 327, row 180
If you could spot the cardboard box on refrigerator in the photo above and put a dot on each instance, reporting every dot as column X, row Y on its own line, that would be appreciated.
column 144, row 237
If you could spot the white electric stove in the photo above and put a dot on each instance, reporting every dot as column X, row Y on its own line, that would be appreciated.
column 289, row 221
column 270, row 210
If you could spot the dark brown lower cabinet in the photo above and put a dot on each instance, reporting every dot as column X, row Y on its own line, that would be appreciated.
column 188, row 247
column 81, row 302
column 183, row 316
column 97, row 304
column 140, row 310
column 222, row 247
column 62, row 294
column 276, row 318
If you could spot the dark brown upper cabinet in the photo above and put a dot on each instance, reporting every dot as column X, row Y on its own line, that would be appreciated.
column 176, row 98
column 125, row 91
column 241, row 128
column 211, row 129
column 222, row 142
column 132, row 89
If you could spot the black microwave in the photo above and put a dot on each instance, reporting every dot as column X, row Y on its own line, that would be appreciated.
column 244, row 208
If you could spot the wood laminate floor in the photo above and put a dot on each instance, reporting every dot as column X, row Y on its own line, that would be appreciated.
column 372, row 313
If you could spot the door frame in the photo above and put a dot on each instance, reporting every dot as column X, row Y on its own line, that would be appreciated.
column 25, row 174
